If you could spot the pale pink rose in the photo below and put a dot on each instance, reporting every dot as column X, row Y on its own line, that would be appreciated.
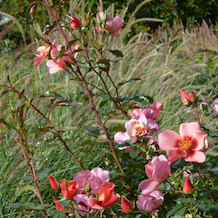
column 138, row 126
column 215, row 107
column 82, row 206
column 136, row 112
column 156, row 106
column 112, row 25
column 120, row 137
column 81, row 178
column 152, row 112
column 157, row 171
column 97, row 179
column 44, row 51
column 59, row 64
column 151, row 202
column 189, row 144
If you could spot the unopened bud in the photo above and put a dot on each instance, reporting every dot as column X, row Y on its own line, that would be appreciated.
column 104, row 20
column 87, row 188
column 99, row 21
column 85, row 21
column 127, row 207
column 188, row 99
column 53, row 183
column 188, row 187
column 75, row 22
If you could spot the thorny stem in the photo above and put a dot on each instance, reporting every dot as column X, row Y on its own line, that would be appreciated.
column 118, row 99
column 60, row 28
column 116, row 89
column 60, row 138
column 29, row 167
column 191, row 204
column 32, row 172
column 108, row 92
column 49, row 122
column 171, row 185
column 185, row 200
column 207, row 189
column 196, row 114
column 102, row 126
column 96, row 213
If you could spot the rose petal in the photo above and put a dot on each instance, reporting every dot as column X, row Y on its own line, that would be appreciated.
column 195, row 156
column 93, row 203
column 175, row 154
column 148, row 185
column 120, row 137
column 53, row 67
column 162, row 171
column 199, row 140
column 169, row 140
column 188, row 129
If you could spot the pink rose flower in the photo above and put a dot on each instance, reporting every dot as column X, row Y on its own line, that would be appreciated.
column 53, row 183
column 187, row 187
column 138, row 126
column 43, row 51
column 112, row 25
column 152, row 112
column 59, row 64
column 71, row 190
column 58, row 206
column 81, row 178
column 82, row 205
column 157, row 171
column 151, row 202
column 188, row 99
column 189, row 144
column 97, row 179
column 127, row 207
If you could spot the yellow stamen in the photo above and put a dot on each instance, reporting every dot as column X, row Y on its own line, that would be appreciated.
column 185, row 144
column 139, row 130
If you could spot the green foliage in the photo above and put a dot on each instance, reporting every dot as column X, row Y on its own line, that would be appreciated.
column 189, row 12
column 164, row 68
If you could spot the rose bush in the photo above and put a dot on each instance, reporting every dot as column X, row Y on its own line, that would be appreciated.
column 129, row 149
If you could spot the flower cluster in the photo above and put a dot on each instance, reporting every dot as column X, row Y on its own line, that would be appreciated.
column 157, row 171
column 111, row 25
column 142, row 124
column 87, row 201
column 92, row 191
column 56, row 64
column 190, row 144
